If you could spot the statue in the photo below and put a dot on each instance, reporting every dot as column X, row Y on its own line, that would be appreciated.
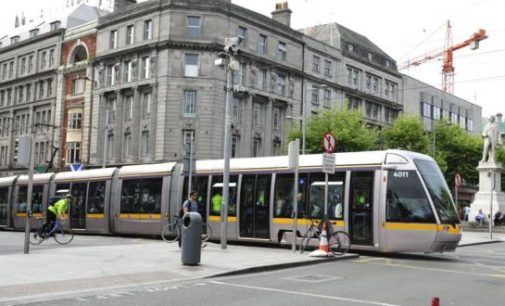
column 491, row 140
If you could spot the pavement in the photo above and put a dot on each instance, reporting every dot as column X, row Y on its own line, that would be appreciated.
column 52, row 271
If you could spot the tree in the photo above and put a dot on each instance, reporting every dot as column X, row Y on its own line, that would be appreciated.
column 347, row 125
column 460, row 151
column 407, row 133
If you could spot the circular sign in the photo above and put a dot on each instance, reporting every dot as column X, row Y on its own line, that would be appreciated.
column 329, row 142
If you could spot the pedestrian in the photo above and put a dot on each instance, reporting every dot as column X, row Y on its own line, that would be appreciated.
column 466, row 211
column 190, row 205
column 480, row 217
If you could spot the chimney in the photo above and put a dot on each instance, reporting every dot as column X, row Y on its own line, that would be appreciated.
column 282, row 13
column 121, row 5
column 499, row 117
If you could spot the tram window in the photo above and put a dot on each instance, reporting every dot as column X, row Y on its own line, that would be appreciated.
column 406, row 200
column 96, row 197
column 198, row 184
column 216, row 195
column 439, row 192
column 37, row 196
column 141, row 196
column 4, row 196
column 78, row 202
column 335, row 195
column 283, row 199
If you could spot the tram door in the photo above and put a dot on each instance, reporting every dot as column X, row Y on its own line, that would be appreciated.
column 4, row 202
column 77, row 206
column 254, row 206
column 361, row 208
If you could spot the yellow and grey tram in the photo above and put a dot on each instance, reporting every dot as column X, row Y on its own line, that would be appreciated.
column 388, row 201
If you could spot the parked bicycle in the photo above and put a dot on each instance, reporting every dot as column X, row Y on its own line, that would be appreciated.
column 338, row 241
column 61, row 234
column 171, row 232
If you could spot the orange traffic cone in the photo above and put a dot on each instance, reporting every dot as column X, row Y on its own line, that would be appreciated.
column 324, row 249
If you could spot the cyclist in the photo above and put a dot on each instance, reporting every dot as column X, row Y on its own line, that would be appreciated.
column 56, row 210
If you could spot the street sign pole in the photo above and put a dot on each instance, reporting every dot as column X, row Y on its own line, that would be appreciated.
column 293, row 153
column 29, row 196
column 329, row 143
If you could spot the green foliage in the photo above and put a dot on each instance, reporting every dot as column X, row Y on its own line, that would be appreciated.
column 347, row 125
column 460, row 151
column 407, row 133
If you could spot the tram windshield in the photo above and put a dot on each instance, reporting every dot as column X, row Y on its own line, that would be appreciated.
column 438, row 190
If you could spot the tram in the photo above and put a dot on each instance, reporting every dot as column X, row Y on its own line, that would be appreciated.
column 388, row 201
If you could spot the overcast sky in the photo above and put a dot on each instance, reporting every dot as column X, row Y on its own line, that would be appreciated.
column 403, row 29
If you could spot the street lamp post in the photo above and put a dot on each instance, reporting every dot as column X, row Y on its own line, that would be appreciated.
column 105, row 136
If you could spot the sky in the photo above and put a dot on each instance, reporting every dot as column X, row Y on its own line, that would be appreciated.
column 402, row 29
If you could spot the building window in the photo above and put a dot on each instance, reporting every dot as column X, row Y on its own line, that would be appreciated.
column 11, row 69
column 276, row 125
column 235, row 140
column 193, row 26
column 281, row 85
column 375, row 84
column 327, row 98
column 327, row 68
column 110, row 146
column 436, row 112
column 256, row 147
column 262, row 79
column 352, row 76
column 75, row 121
column 127, row 145
column 111, row 109
column 262, row 44
column 389, row 115
column 21, row 90
column 315, row 95
column 51, row 58
column 146, row 105
column 445, row 114
column 191, row 65
column 144, row 142
column 111, row 75
column 189, row 103
column 41, row 90
column 462, row 122
column 49, row 87
column 77, row 86
column 128, row 108
column 23, row 65
column 148, row 29
column 372, row 110
column 130, row 32
column 113, row 39
column 30, row 63
column 146, row 67
column 350, row 48
column 239, row 76
column 282, row 51
column 242, row 34
column 426, row 109
column 454, row 118
column 390, row 90
column 316, row 62
column 257, row 116
column 73, row 154
column 236, row 112
column 354, row 103
column 469, row 125
column 127, row 71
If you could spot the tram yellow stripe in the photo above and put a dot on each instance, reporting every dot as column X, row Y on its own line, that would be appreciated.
column 23, row 215
column 140, row 216
column 423, row 227
column 95, row 216
column 218, row 219
column 337, row 223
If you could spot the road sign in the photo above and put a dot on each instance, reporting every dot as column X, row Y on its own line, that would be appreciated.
column 329, row 163
column 76, row 167
column 329, row 142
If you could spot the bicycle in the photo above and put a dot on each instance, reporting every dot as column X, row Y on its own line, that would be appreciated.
column 338, row 241
column 60, row 234
column 171, row 232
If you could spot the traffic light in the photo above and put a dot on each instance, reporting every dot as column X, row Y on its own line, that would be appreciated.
column 231, row 45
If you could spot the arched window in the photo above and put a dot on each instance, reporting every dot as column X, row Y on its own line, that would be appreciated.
column 79, row 54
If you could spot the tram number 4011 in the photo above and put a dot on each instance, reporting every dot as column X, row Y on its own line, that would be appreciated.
column 401, row 174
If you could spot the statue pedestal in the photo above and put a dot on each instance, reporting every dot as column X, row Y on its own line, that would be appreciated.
column 483, row 196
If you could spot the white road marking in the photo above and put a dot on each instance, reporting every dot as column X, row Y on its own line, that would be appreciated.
column 337, row 298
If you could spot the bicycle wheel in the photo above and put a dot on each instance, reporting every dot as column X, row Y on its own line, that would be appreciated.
column 36, row 238
column 170, row 232
column 206, row 232
column 63, row 236
column 339, row 243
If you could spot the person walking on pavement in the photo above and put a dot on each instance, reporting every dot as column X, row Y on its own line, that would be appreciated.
column 56, row 210
column 190, row 205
